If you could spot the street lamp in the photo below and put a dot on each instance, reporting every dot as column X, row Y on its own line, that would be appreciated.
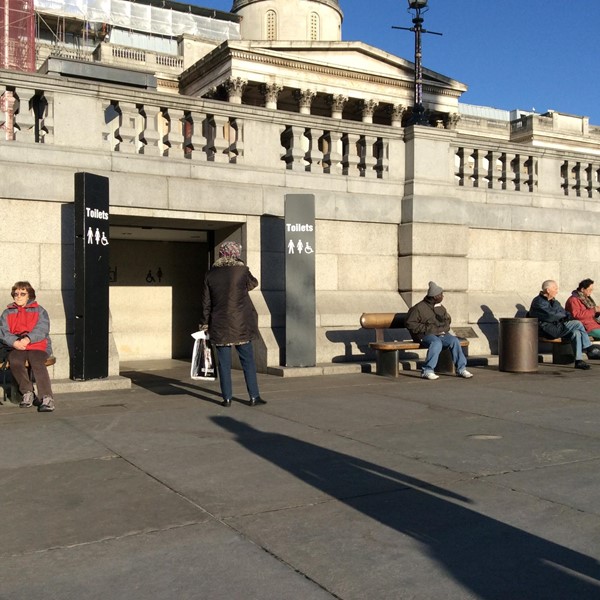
column 418, row 116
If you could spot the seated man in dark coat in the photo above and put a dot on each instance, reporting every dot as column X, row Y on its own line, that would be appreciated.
column 555, row 322
column 429, row 323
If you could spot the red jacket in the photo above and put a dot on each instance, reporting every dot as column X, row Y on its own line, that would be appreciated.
column 581, row 312
column 31, row 320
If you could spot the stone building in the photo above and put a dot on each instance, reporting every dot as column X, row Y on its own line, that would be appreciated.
column 203, row 121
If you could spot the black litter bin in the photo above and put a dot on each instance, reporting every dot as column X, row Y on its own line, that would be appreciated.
column 518, row 345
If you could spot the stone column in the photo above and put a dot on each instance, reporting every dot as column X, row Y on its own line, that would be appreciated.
column 368, row 108
column 398, row 112
column 337, row 102
column 235, row 88
column 305, row 98
column 271, row 92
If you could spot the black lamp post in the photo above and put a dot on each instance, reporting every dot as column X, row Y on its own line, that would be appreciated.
column 418, row 116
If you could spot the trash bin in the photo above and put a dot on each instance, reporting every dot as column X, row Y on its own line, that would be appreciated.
column 518, row 345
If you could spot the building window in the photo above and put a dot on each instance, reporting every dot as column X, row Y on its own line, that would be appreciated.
column 271, row 25
column 314, row 27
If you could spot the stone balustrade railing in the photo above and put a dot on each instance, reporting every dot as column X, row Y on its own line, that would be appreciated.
column 141, row 122
column 581, row 179
column 495, row 169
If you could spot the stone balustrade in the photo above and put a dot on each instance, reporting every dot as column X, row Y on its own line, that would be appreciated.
column 495, row 169
column 143, row 122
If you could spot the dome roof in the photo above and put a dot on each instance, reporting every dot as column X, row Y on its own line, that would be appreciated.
column 237, row 4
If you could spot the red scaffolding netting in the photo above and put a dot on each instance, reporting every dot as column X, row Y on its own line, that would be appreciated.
column 17, row 35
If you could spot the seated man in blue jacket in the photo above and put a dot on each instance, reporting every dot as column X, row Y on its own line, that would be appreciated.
column 555, row 322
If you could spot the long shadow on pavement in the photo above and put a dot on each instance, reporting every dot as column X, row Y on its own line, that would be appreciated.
column 168, row 386
column 494, row 560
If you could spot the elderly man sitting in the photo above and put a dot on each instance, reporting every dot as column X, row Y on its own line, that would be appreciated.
column 555, row 322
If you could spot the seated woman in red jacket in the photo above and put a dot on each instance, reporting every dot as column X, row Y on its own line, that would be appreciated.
column 583, row 307
column 25, row 327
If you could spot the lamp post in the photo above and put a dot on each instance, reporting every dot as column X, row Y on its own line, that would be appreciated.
column 419, row 7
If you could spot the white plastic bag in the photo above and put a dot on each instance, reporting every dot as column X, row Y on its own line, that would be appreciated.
column 203, row 358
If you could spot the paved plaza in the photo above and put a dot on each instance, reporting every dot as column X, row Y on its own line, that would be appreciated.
column 348, row 486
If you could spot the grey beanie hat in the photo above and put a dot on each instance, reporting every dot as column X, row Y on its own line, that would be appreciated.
column 434, row 289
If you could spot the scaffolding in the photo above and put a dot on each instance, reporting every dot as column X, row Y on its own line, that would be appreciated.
column 17, row 44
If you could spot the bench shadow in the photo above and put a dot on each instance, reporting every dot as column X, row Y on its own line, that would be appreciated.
column 492, row 559
column 168, row 386
column 352, row 339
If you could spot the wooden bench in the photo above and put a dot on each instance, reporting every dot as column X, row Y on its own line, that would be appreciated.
column 388, row 352
column 15, row 394
column 562, row 351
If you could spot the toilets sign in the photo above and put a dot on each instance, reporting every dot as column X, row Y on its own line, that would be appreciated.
column 97, row 226
column 300, row 304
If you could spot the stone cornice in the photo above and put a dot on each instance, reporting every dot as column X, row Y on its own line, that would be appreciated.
column 227, row 53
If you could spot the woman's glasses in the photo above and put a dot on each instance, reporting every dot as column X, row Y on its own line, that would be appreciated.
column 21, row 294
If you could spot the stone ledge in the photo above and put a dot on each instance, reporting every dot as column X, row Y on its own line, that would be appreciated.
column 67, row 386
column 368, row 367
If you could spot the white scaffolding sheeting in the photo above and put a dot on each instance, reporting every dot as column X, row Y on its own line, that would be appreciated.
column 141, row 17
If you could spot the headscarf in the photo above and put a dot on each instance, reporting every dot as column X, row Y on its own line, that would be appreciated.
column 230, row 250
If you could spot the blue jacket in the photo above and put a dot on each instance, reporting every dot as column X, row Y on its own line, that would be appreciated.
column 551, row 316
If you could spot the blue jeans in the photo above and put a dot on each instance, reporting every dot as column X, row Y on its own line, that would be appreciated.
column 246, row 354
column 434, row 345
column 579, row 338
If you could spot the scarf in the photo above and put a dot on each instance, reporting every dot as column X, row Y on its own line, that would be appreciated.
column 588, row 301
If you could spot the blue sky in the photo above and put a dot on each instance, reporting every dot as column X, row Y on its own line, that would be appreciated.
column 527, row 54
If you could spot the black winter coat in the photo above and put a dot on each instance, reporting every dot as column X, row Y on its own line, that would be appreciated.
column 226, row 305
column 551, row 317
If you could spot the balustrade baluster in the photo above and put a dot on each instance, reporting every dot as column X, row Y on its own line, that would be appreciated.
column 293, row 139
column 173, row 139
column 130, row 128
column 220, row 144
column 369, row 159
column 350, row 154
column 316, row 146
column 7, row 106
column 25, row 121
column 236, row 142
column 153, row 132
column 381, row 155
column 336, row 150
column 44, row 111
column 111, row 138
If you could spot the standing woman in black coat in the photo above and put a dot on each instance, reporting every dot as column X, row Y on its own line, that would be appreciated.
column 231, row 318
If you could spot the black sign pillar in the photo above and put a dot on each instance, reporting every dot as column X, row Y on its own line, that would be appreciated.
column 300, row 304
column 90, row 348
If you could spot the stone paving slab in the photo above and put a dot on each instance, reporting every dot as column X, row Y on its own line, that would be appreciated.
column 203, row 561
column 76, row 502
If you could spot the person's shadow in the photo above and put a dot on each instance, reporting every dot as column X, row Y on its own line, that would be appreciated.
column 488, row 325
column 168, row 386
column 493, row 560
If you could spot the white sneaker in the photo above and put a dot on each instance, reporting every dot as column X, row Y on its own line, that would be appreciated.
column 464, row 373
column 429, row 375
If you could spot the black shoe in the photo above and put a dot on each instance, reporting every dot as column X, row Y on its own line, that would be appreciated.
column 226, row 402
column 581, row 364
column 256, row 401
column 593, row 352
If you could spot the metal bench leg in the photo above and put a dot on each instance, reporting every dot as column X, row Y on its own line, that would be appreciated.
column 562, row 354
column 387, row 363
